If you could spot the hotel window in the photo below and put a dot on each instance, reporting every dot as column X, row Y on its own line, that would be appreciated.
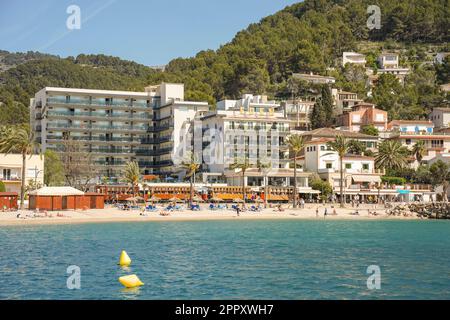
column 329, row 166
column 380, row 117
column 322, row 148
column 348, row 166
column 365, row 166
column 408, row 141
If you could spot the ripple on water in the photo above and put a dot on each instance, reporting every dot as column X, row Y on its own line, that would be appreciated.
column 230, row 260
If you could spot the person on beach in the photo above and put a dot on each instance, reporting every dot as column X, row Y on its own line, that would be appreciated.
column 238, row 210
column 317, row 212
column 325, row 212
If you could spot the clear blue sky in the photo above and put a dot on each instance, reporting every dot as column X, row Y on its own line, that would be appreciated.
column 147, row 31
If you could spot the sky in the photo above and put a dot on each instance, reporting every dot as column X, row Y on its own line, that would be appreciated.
column 146, row 31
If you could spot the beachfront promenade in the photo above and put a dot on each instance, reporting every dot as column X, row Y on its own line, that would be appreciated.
column 113, row 214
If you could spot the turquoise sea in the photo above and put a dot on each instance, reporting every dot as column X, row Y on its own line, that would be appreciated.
column 229, row 260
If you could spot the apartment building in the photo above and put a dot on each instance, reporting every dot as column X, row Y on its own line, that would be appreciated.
column 440, row 117
column 353, row 58
column 251, row 128
column 314, row 78
column 408, row 133
column 115, row 126
column 11, row 171
column 371, row 142
column 298, row 112
column 361, row 115
column 389, row 63
column 359, row 170
column 344, row 101
column 411, row 126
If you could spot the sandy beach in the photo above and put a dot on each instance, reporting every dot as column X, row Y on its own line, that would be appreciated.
column 112, row 214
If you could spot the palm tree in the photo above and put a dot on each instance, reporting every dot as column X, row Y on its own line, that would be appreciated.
column 440, row 173
column 264, row 166
column 243, row 165
column 341, row 146
column 419, row 150
column 296, row 144
column 391, row 155
column 132, row 174
column 19, row 139
column 191, row 166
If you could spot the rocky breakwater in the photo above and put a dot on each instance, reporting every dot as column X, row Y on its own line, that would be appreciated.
column 435, row 210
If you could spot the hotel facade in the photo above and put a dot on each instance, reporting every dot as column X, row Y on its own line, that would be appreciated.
column 115, row 127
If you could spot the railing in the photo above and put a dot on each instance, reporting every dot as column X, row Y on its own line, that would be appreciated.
column 98, row 103
column 99, row 115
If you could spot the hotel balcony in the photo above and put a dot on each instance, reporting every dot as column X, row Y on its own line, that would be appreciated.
column 87, row 127
column 98, row 105
column 98, row 116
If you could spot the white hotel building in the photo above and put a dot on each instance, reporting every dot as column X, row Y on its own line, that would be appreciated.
column 116, row 126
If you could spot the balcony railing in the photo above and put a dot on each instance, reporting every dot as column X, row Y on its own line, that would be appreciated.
column 99, row 115
column 96, row 103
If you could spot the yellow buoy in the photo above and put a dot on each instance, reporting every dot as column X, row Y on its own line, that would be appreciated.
column 124, row 260
column 131, row 281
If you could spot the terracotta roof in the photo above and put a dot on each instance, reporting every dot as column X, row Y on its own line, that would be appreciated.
column 332, row 133
column 357, row 156
column 319, row 140
column 442, row 108
column 393, row 122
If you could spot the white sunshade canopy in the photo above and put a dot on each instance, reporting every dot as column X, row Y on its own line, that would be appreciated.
column 366, row 178
column 57, row 191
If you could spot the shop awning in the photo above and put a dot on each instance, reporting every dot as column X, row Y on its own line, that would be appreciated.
column 364, row 178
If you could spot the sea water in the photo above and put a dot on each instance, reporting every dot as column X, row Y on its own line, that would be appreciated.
column 267, row 259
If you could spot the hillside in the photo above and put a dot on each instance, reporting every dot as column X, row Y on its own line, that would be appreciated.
column 305, row 37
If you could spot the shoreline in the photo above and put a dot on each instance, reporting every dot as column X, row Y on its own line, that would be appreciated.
column 113, row 215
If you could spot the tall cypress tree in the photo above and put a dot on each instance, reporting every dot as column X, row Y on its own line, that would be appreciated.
column 327, row 106
column 318, row 116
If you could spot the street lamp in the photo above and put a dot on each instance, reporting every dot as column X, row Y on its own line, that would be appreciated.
column 36, row 173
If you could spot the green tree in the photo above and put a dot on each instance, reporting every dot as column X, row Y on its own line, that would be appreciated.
column 356, row 147
column 324, row 187
column 132, row 174
column 190, row 166
column 19, row 139
column 296, row 144
column 264, row 166
column 440, row 172
column 391, row 155
column 370, row 130
column 2, row 186
column 419, row 150
column 242, row 164
column 327, row 105
column 386, row 94
column 53, row 169
column 341, row 146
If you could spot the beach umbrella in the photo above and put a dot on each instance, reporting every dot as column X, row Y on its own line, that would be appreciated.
column 154, row 199
column 237, row 200
column 197, row 199
column 216, row 199
column 175, row 199
column 139, row 198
